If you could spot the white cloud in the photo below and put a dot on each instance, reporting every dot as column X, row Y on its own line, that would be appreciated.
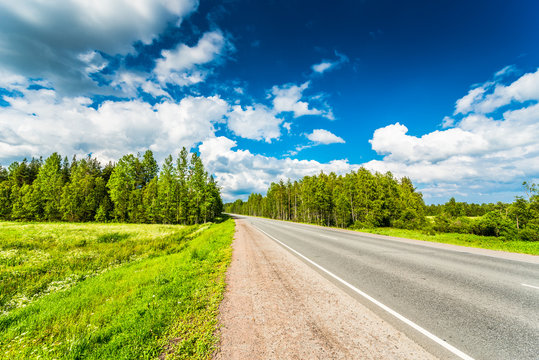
column 260, row 122
column 94, row 62
column 327, row 65
column 181, row 66
column 130, row 83
column 465, row 104
column 189, row 122
column 255, row 122
column 447, row 122
column 509, row 69
column 492, row 95
column 287, row 98
column 481, row 153
column 321, row 136
column 394, row 142
column 66, row 34
column 41, row 122
column 323, row 66
column 240, row 172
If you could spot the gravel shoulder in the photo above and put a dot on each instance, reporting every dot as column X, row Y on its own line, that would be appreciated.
column 277, row 307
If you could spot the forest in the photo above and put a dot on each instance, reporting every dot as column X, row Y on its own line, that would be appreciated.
column 369, row 200
column 130, row 190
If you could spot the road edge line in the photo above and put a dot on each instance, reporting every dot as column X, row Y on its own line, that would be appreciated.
column 410, row 323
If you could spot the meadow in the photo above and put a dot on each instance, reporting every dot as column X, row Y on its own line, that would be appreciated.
column 115, row 291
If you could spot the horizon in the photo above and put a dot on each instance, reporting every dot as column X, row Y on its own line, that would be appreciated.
column 445, row 94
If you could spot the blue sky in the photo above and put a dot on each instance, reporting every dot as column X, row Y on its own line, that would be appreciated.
column 443, row 92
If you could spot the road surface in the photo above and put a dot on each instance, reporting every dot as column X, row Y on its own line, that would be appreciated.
column 456, row 302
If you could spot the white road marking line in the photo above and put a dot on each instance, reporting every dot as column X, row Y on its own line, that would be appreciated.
column 535, row 287
column 425, row 332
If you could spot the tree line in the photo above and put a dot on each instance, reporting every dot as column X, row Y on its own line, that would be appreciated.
column 362, row 199
column 130, row 190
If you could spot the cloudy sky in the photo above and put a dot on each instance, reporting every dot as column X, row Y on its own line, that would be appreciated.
column 444, row 92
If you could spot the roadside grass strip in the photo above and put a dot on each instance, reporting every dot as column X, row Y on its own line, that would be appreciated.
column 133, row 292
column 470, row 240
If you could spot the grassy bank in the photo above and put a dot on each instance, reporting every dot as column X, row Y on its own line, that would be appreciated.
column 111, row 290
column 484, row 242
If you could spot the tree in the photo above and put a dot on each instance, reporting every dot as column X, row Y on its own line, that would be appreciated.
column 182, row 173
column 167, row 190
column 150, row 202
column 127, row 191
column 121, row 183
column 48, row 187
column 520, row 211
column 148, row 169
column 196, row 188
column 5, row 200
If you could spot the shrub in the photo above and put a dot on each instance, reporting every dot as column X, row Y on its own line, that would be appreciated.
column 528, row 234
column 494, row 224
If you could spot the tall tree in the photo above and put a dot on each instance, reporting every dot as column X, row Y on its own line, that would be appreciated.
column 196, row 184
column 121, row 183
column 182, row 173
column 167, row 190
column 48, row 186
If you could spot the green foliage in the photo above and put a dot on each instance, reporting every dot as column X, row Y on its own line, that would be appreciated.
column 516, row 221
column 112, row 291
column 529, row 234
column 363, row 200
column 128, row 191
column 359, row 199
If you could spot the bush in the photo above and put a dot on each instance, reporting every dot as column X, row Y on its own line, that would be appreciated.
column 446, row 224
column 428, row 230
column 494, row 224
column 528, row 234
column 410, row 219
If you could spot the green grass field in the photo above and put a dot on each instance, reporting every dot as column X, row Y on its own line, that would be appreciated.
column 484, row 242
column 111, row 291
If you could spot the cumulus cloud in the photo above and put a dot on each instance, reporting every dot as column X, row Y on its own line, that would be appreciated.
column 182, row 65
column 240, row 172
column 492, row 95
column 68, row 36
column 321, row 136
column 287, row 98
column 41, row 121
column 255, row 122
column 261, row 122
column 394, row 142
column 327, row 65
column 481, row 151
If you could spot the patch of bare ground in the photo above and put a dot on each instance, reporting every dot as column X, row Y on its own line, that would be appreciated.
column 277, row 307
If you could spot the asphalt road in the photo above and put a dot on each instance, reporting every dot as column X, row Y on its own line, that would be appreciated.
column 487, row 307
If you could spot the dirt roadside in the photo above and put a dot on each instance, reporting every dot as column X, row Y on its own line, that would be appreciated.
column 276, row 307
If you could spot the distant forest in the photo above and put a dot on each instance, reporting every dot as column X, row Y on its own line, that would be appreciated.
column 365, row 200
column 131, row 190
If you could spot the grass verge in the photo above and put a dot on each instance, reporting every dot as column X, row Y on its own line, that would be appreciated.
column 470, row 240
column 117, row 291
